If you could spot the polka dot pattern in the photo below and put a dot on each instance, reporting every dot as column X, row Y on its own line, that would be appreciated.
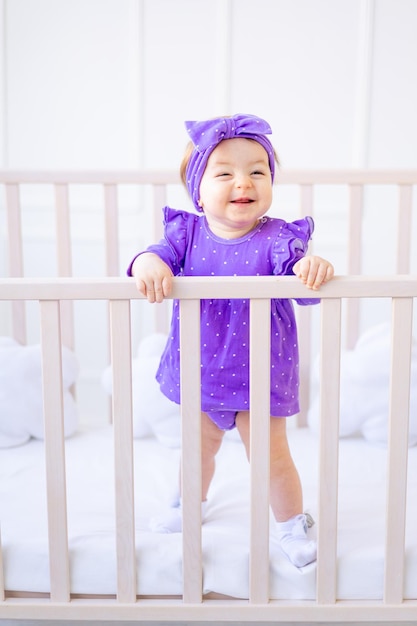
column 272, row 248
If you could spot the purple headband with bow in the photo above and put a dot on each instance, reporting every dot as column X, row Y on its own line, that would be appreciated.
column 208, row 134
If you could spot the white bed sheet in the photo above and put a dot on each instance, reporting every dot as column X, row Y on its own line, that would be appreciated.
column 89, row 458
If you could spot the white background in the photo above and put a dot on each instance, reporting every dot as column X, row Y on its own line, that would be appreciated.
column 108, row 83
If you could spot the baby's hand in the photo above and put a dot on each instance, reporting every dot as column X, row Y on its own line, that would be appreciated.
column 153, row 277
column 313, row 271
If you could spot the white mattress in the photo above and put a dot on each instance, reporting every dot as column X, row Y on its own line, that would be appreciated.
column 225, row 533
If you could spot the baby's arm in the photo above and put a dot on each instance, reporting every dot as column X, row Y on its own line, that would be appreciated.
column 153, row 277
column 313, row 271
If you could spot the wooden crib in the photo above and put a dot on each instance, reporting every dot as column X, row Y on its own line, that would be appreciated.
column 340, row 319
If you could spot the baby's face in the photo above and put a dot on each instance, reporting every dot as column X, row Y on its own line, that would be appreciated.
column 236, row 188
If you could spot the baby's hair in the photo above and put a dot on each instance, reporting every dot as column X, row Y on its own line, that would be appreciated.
column 185, row 159
column 187, row 155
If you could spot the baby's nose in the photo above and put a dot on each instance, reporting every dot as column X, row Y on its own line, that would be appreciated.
column 243, row 180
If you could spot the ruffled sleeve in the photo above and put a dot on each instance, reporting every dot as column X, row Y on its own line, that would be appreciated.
column 291, row 244
column 171, row 249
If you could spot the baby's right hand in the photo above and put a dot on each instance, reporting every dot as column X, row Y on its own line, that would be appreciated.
column 153, row 277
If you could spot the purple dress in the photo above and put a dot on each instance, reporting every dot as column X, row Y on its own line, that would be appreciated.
column 272, row 248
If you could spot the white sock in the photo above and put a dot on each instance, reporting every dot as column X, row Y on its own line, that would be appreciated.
column 171, row 520
column 294, row 542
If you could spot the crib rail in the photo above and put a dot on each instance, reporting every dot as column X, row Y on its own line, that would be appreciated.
column 401, row 290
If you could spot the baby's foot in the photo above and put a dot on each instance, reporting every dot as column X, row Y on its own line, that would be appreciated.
column 171, row 520
column 294, row 542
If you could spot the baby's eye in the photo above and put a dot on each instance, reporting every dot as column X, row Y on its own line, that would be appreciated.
column 221, row 174
column 258, row 173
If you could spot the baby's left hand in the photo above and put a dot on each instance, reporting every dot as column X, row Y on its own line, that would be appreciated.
column 313, row 271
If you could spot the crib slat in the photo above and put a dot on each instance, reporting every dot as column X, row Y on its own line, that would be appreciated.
column 15, row 256
column 112, row 230
column 63, row 232
column 304, row 342
column 191, row 450
column 63, row 238
column 123, row 449
column 404, row 229
column 15, row 229
column 402, row 309
column 159, row 201
column 55, row 450
column 304, row 316
column 162, row 313
column 260, row 376
column 306, row 199
column 354, row 261
column 329, row 450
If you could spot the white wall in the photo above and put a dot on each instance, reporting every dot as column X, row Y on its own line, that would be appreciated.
column 108, row 84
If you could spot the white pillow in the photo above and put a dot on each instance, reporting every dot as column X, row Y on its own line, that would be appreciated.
column 364, row 388
column 153, row 414
column 21, row 399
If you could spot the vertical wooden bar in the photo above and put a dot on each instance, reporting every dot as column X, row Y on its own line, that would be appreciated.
column 260, row 378
column 63, row 230
column 55, row 450
column 304, row 319
column 123, row 449
column 64, row 258
column 15, row 257
column 306, row 199
column 190, row 352
column 159, row 201
column 354, row 261
column 329, row 450
column 404, row 234
column 162, row 313
column 15, row 229
column 112, row 230
column 401, row 341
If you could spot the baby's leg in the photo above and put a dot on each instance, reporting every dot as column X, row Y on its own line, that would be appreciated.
column 285, row 493
column 211, row 439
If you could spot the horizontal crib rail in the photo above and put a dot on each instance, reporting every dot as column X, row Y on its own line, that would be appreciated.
column 196, row 287
column 234, row 612
column 90, row 177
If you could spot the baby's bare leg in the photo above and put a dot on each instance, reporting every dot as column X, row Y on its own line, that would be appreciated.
column 285, row 492
column 211, row 439
column 286, row 495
